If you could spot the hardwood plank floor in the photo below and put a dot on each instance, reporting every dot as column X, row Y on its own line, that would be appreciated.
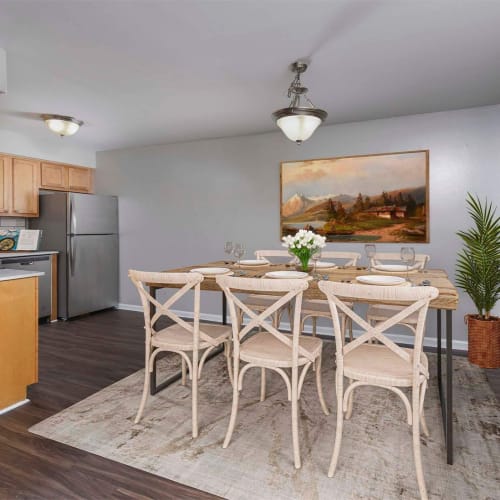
column 76, row 359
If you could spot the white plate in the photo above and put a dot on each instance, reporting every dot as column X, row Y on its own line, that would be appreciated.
column 287, row 274
column 394, row 268
column 256, row 262
column 381, row 280
column 210, row 271
column 325, row 265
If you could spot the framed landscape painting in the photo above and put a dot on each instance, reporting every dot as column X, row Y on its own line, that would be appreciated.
column 371, row 198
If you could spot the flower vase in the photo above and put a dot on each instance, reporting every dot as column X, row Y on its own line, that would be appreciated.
column 304, row 263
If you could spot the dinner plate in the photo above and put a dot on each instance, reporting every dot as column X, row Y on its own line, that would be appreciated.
column 380, row 280
column 286, row 274
column 394, row 268
column 254, row 262
column 211, row 271
column 325, row 265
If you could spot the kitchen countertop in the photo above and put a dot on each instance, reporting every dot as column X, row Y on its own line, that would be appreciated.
column 14, row 274
column 4, row 255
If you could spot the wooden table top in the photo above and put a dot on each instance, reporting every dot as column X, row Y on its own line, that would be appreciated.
column 447, row 299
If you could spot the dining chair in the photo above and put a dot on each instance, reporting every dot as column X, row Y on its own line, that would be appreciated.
column 261, row 302
column 181, row 337
column 383, row 364
column 380, row 312
column 270, row 348
column 319, row 308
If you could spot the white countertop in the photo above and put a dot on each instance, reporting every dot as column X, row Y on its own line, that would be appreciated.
column 15, row 274
column 4, row 255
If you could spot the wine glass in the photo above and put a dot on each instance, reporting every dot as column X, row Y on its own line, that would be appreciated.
column 370, row 251
column 315, row 256
column 228, row 248
column 408, row 257
column 239, row 251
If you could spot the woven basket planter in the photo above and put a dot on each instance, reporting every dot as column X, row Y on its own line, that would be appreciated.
column 484, row 341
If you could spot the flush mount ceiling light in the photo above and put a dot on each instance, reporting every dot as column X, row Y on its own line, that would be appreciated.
column 299, row 122
column 62, row 125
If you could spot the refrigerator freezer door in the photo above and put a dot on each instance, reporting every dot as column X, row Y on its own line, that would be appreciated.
column 92, row 279
column 92, row 214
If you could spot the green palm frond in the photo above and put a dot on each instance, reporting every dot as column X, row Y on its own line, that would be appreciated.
column 478, row 262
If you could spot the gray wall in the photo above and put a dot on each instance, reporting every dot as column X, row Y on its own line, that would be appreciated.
column 180, row 202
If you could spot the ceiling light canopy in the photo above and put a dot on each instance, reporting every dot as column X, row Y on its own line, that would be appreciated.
column 62, row 125
column 299, row 122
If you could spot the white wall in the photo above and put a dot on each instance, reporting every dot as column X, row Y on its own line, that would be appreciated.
column 180, row 202
column 51, row 147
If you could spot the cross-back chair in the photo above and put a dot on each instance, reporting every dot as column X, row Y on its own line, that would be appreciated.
column 319, row 308
column 380, row 312
column 269, row 348
column 181, row 337
column 385, row 364
column 261, row 302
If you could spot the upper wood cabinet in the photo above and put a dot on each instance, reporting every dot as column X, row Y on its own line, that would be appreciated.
column 60, row 177
column 80, row 179
column 53, row 176
column 5, row 176
column 24, row 183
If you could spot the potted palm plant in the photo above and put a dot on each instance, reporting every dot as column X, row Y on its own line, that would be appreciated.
column 478, row 274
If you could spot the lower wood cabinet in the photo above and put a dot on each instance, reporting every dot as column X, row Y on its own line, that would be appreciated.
column 18, row 339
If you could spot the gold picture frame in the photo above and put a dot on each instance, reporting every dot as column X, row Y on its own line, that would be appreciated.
column 379, row 198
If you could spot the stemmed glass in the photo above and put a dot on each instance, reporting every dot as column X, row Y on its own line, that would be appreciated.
column 228, row 248
column 370, row 251
column 408, row 257
column 315, row 256
column 239, row 251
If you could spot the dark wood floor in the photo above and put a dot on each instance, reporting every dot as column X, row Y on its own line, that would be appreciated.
column 78, row 358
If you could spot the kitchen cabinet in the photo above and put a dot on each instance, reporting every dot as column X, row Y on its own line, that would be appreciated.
column 59, row 177
column 19, row 179
column 53, row 176
column 18, row 338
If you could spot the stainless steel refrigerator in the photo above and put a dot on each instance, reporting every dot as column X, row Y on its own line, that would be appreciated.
column 84, row 229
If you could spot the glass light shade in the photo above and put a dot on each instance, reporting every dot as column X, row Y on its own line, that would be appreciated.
column 62, row 125
column 298, row 128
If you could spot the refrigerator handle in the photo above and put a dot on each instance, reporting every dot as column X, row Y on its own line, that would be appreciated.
column 72, row 255
column 72, row 217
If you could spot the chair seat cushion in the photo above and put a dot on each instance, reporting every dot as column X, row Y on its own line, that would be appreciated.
column 318, row 307
column 176, row 337
column 381, row 312
column 264, row 349
column 377, row 364
column 260, row 302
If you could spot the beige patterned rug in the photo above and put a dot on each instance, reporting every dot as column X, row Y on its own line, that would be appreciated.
column 376, row 460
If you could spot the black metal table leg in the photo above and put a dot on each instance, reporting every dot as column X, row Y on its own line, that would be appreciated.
column 224, row 309
column 449, row 387
column 439, row 367
column 152, row 378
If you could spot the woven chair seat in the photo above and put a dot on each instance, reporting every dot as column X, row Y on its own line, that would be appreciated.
column 177, row 337
column 381, row 312
column 317, row 307
column 260, row 302
column 378, row 365
column 266, row 350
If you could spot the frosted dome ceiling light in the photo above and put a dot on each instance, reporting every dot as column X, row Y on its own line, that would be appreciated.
column 299, row 122
column 62, row 125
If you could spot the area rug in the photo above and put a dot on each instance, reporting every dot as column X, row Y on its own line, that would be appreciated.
column 376, row 460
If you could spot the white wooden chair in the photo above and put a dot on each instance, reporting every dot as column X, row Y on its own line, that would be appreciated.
column 380, row 312
column 319, row 308
column 269, row 348
column 382, row 365
column 262, row 302
column 181, row 337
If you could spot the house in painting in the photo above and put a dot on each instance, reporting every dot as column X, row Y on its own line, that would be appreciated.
column 388, row 212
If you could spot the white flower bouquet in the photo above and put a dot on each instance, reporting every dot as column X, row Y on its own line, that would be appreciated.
column 303, row 245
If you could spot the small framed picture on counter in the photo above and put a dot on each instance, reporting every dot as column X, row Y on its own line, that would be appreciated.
column 29, row 239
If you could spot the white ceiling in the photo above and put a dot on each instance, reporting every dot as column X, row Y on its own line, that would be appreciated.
column 149, row 72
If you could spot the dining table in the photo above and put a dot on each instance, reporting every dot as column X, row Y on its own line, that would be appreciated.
column 444, row 305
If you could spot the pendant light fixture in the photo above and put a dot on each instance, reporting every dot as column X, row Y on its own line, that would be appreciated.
column 62, row 125
column 298, row 122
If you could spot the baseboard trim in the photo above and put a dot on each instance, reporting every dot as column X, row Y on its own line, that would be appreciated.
column 14, row 406
column 459, row 345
